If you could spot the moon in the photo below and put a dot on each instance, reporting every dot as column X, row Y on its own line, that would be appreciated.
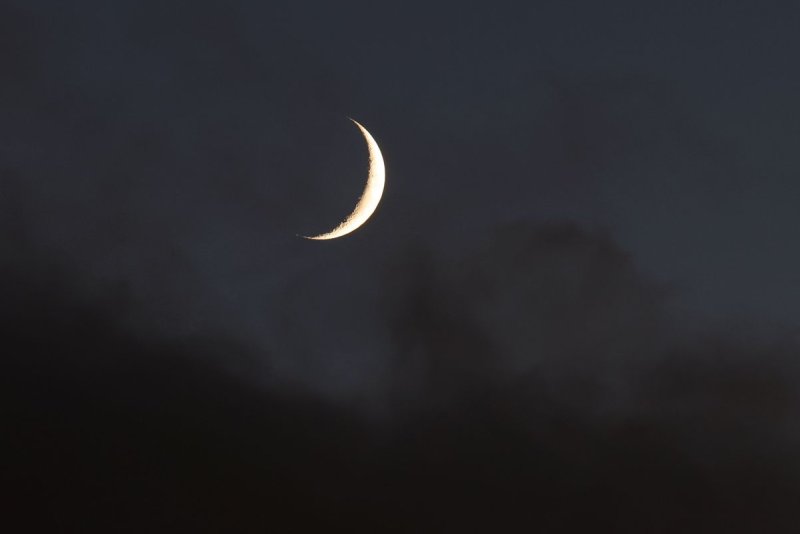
column 369, row 198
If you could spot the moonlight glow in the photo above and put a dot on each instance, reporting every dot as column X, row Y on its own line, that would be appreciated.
column 369, row 198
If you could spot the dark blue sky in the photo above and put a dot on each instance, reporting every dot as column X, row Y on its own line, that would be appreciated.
column 670, row 127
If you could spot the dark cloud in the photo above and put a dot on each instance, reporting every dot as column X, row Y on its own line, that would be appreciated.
column 533, row 301
column 535, row 381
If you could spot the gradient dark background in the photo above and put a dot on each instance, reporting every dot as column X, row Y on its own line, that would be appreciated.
column 575, row 310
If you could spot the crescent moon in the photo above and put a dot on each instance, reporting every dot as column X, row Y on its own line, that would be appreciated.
column 371, row 196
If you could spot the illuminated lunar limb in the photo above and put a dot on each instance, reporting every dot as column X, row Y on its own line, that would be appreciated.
column 371, row 196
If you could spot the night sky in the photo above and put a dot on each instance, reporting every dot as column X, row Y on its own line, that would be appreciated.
column 576, row 309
